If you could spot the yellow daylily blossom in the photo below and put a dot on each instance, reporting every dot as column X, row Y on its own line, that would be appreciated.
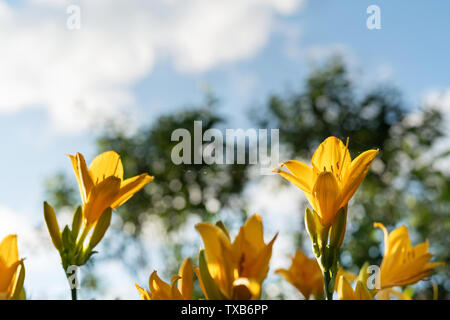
column 234, row 270
column 160, row 290
column 333, row 178
column 346, row 292
column 402, row 263
column 102, row 185
column 304, row 274
column 12, row 270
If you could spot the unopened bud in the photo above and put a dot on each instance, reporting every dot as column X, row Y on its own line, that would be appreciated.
column 100, row 228
column 52, row 226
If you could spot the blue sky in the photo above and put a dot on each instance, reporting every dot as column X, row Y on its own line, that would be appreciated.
column 137, row 58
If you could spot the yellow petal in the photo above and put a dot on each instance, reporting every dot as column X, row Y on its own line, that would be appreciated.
column 361, row 292
column 252, row 232
column 186, row 285
column 83, row 176
column 295, row 181
column 9, row 263
column 260, row 266
column 9, row 253
column 332, row 154
column 251, row 252
column 145, row 295
column 16, row 287
column 421, row 248
column 303, row 173
column 101, row 198
column 159, row 289
column 386, row 235
column 345, row 290
column 326, row 197
column 219, row 256
column 129, row 187
column 106, row 165
column 175, row 294
column 7, row 277
column 356, row 174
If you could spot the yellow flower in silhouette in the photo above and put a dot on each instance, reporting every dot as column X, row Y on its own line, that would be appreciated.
column 12, row 270
column 160, row 290
column 333, row 178
column 402, row 263
column 102, row 185
column 304, row 274
column 233, row 270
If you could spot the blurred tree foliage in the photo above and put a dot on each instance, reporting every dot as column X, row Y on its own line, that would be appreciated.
column 405, row 184
column 177, row 192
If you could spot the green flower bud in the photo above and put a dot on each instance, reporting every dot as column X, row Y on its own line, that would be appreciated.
column 52, row 226
column 76, row 221
column 100, row 228
column 338, row 229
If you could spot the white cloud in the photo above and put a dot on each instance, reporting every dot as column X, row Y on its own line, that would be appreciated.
column 82, row 76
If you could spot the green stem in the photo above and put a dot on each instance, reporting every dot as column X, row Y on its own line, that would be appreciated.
column 327, row 287
column 74, row 293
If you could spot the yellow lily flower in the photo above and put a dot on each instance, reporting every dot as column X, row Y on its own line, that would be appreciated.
column 403, row 264
column 304, row 274
column 234, row 270
column 102, row 185
column 346, row 292
column 160, row 290
column 12, row 270
column 333, row 178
